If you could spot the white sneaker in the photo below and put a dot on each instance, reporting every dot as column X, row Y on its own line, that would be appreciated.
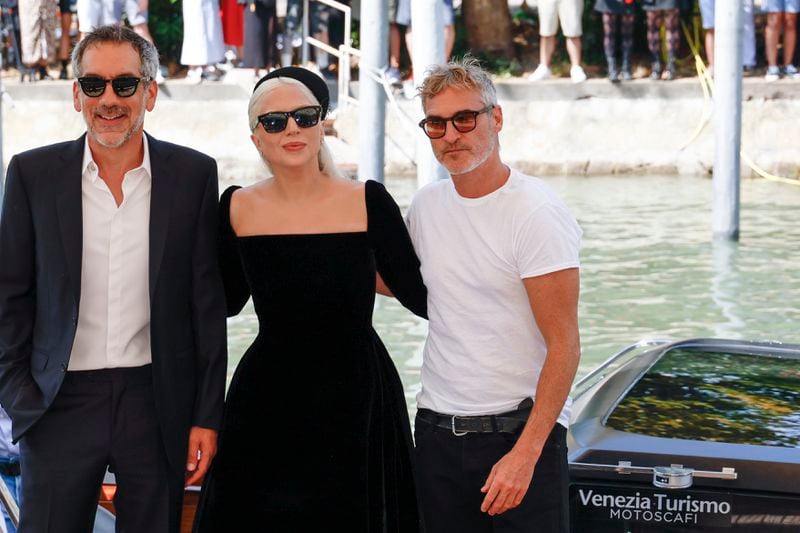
column 773, row 74
column 194, row 75
column 576, row 74
column 542, row 72
column 790, row 71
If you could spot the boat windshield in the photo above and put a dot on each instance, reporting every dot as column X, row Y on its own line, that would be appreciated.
column 711, row 396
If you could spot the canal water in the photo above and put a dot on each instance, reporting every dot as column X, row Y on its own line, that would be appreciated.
column 649, row 269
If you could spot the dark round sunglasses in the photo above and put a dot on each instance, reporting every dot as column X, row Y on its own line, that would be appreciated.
column 304, row 117
column 463, row 122
column 124, row 86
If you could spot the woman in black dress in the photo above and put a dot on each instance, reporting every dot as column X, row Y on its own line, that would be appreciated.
column 617, row 12
column 316, row 434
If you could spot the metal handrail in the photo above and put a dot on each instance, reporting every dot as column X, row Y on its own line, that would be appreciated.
column 10, row 504
column 342, row 54
column 625, row 467
column 664, row 477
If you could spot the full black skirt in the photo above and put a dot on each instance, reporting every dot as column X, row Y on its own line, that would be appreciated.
column 316, row 434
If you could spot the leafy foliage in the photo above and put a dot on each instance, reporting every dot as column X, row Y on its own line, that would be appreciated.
column 166, row 26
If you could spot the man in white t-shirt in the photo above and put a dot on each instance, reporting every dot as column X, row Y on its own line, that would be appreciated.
column 499, row 253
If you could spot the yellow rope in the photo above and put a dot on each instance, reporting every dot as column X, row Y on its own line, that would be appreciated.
column 702, row 75
column 766, row 175
column 707, row 84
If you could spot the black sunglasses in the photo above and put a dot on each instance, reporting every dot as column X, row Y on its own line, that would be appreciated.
column 124, row 86
column 304, row 117
column 463, row 122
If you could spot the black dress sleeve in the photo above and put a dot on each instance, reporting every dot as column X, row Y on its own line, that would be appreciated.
column 395, row 258
column 237, row 291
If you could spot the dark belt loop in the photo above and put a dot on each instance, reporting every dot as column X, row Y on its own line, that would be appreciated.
column 527, row 403
column 494, row 423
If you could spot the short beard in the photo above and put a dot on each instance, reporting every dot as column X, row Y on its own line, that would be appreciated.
column 126, row 136
column 478, row 161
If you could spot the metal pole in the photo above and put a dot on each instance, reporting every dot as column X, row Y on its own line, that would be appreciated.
column 2, row 161
column 427, row 21
column 372, row 119
column 306, row 18
column 727, row 118
column 344, row 62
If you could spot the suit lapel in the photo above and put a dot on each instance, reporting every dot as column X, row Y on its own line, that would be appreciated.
column 161, row 195
column 70, row 211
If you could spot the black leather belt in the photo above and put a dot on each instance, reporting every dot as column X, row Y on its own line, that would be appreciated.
column 508, row 422
column 10, row 469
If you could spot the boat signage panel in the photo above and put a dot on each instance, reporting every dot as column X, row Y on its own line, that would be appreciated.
column 598, row 503
column 601, row 507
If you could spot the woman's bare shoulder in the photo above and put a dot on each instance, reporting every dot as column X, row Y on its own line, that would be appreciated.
column 248, row 194
column 246, row 200
column 347, row 188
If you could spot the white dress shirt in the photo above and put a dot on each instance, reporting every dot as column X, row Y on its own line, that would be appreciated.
column 7, row 448
column 114, row 315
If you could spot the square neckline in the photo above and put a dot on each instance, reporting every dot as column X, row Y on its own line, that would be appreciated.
column 287, row 235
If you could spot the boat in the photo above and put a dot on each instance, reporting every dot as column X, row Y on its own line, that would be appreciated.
column 691, row 435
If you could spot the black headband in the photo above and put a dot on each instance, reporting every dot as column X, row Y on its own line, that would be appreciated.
column 314, row 83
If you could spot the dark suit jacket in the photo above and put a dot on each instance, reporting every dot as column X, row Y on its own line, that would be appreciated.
column 40, row 275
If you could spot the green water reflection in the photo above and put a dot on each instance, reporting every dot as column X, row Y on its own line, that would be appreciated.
column 696, row 395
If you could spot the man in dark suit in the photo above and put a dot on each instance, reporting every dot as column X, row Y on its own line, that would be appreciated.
column 112, row 312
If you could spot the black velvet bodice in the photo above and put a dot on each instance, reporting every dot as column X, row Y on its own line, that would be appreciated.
column 317, row 381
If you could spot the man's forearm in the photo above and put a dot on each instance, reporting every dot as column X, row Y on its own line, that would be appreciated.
column 552, row 390
column 554, row 302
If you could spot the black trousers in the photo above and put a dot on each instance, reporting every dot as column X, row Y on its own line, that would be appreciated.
column 99, row 419
column 452, row 469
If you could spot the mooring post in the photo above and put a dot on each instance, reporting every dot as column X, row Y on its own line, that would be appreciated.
column 728, row 31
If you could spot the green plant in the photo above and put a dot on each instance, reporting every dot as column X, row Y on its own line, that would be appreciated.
column 166, row 26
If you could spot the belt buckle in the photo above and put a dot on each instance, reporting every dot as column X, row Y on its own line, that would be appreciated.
column 453, row 427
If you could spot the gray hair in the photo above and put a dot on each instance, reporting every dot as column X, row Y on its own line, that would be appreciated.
column 325, row 158
column 148, row 55
column 465, row 73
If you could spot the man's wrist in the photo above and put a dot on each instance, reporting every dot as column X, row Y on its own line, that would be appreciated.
column 528, row 447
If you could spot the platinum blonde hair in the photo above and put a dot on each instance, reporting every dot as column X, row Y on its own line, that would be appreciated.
column 324, row 156
column 465, row 73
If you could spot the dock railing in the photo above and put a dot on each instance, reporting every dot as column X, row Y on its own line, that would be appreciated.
column 9, row 503
column 342, row 54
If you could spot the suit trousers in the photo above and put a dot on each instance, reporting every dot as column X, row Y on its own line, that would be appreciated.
column 99, row 419
column 452, row 469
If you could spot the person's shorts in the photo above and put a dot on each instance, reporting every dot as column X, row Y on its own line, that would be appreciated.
column 707, row 14
column 568, row 12
column 780, row 6
column 94, row 13
column 404, row 12
column 66, row 6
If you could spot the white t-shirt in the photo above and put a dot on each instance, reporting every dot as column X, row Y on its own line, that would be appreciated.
column 484, row 351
